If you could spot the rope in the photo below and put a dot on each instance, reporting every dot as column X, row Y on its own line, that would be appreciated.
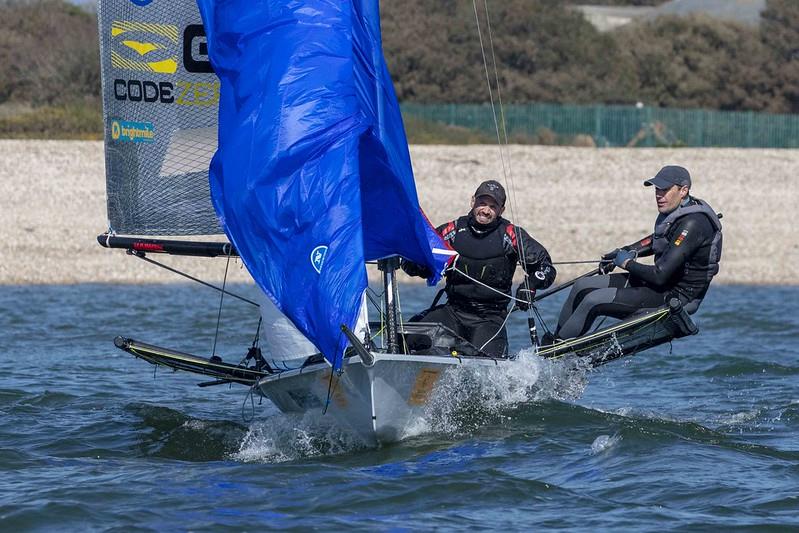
column 252, row 405
column 587, row 262
column 507, row 315
column 404, row 347
column 374, row 299
column 540, row 319
column 331, row 386
column 221, row 298
column 477, row 281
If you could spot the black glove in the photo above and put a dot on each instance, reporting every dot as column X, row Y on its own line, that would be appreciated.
column 524, row 297
column 412, row 269
column 622, row 257
column 606, row 264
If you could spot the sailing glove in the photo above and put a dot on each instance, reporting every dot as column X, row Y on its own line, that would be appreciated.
column 412, row 269
column 606, row 264
column 524, row 297
column 622, row 257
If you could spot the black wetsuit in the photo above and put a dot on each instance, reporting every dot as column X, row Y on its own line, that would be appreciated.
column 687, row 249
column 488, row 254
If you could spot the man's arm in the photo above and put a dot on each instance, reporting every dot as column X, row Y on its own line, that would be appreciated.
column 421, row 271
column 689, row 235
column 535, row 260
column 641, row 248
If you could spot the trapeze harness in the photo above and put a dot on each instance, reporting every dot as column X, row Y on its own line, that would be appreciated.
column 479, row 283
column 483, row 255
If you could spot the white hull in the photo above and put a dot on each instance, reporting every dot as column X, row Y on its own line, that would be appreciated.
column 380, row 403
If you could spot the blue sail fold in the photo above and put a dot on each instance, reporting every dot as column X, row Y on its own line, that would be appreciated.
column 312, row 176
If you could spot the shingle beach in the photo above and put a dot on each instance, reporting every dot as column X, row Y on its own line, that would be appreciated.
column 578, row 202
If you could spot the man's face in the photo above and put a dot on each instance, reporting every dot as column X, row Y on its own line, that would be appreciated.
column 485, row 209
column 669, row 199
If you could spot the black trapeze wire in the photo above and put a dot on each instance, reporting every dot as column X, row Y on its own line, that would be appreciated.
column 143, row 257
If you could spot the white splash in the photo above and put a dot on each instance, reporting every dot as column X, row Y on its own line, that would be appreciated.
column 468, row 397
column 194, row 424
column 283, row 438
column 604, row 442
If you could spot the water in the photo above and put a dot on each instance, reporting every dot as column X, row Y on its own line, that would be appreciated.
column 700, row 438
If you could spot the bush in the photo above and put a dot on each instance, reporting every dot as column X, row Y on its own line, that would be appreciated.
column 420, row 131
column 49, row 53
column 697, row 62
column 72, row 121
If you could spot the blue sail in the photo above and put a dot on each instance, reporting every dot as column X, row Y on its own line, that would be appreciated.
column 312, row 176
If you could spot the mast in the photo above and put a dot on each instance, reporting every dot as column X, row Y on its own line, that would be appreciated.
column 390, row 297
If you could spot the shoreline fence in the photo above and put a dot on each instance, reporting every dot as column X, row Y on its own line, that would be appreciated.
column 614, row 125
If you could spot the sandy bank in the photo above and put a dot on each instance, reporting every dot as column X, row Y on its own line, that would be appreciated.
column 578, row 202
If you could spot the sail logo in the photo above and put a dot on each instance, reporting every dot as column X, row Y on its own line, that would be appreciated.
column 142, row 3
column 145, row 46
column 136, row 132
column 155, row 48
column 318, row 258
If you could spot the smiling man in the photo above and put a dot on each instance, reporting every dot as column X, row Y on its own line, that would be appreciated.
column 686, row 244
column 478, row 285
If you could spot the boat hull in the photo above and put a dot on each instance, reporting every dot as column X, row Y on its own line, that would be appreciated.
column 381, row 403
column 386, row 399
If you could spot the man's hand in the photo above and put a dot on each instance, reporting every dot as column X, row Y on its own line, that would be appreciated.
column 606, row 264
column 524, row 297
column 412, row 269
column 623, row 257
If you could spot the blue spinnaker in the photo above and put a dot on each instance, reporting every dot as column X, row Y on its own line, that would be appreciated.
column 312, row 176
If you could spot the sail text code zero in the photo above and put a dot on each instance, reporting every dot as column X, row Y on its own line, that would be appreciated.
column 189, row 93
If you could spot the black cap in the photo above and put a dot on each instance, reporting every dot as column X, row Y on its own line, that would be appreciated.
column 492, row 188
column 670, row 175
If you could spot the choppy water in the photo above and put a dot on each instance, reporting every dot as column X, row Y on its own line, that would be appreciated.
column 702, row 438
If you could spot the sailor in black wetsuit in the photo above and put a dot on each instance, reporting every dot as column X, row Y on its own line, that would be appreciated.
column 687, row 249
column 478, row 285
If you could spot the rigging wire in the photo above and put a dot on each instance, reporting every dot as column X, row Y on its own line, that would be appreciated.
column 506, row 167
column 221, row 299
column 502, row 136
column 143, row 257
column 490, row 91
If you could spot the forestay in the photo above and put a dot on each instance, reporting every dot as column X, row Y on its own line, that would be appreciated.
column 312, row 176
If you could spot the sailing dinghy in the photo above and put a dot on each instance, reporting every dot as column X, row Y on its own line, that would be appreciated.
column 281, row 130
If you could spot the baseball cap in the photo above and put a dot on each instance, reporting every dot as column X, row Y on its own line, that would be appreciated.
column 670, row 175
column 492, row 188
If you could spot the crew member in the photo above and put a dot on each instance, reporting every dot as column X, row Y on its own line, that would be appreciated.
column 478, row 284
column 686, row 244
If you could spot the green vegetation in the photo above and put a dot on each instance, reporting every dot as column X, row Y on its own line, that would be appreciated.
column 545, row 52
column 49, row 70
column 73, row 120
column 421, row 131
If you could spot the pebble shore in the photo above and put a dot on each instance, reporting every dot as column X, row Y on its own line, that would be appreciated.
column 578, row 202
